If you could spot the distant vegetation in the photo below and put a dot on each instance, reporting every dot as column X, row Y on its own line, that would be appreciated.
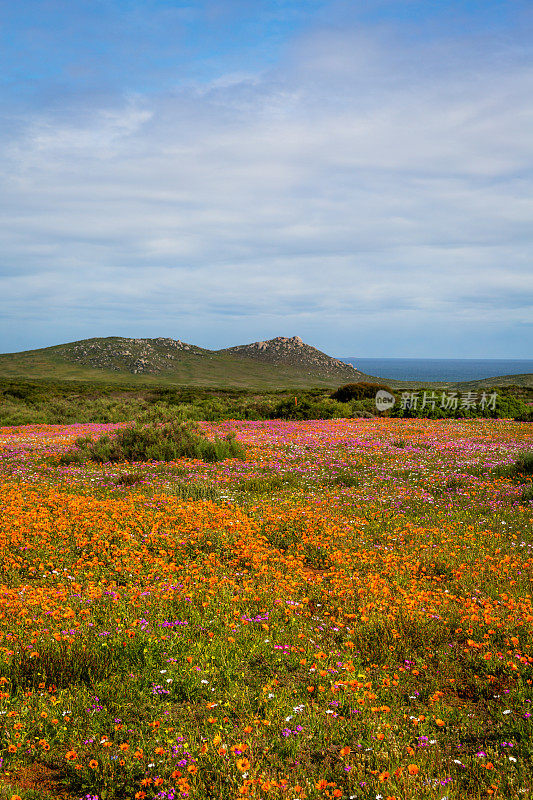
column 358, row 391
column 507, row 405
column 65, row 402
column 154, row 443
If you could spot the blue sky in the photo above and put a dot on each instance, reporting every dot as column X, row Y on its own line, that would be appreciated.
column 357, row 173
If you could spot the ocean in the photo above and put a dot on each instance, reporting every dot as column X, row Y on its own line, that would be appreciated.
column 441, row 369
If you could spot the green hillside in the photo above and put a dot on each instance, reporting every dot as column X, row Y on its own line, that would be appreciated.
column 179, row 367
column 281, row 363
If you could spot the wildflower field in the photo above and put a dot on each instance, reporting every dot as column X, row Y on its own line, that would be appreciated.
column 347, row 612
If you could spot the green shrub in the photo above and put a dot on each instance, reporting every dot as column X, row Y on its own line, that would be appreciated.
column 192, row 491
column 527, row 494
column 505, row 407
column 12, row 415
column 524, row 463
column 346, row 478
column 130, row 479
column 307, row 409
column 525, row 415
column 153, row 442
column 358, row 391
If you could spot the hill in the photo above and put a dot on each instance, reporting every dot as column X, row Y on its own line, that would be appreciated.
column 293, row 352
column 136, row 356
column 282, row 362
column 279, row 362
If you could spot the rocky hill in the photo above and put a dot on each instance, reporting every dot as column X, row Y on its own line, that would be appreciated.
column 294, row 352
column 138, row 356
column 280, row 362
column 162, row 355
column 283, row 362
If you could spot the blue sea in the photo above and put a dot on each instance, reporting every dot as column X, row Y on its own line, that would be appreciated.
column 441, row 369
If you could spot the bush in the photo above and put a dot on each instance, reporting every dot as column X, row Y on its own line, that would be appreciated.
column 527, row 494
column 524, row 463
column 192, row 491
column 307, row 409
column 154, row 442
column 358, row 391
column 506, row 406
column 525, row 415
column 347, row 478
column 130, row 479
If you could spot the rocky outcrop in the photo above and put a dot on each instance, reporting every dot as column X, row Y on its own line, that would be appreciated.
column 164, row 355
column 292, row 351
column 138, row 356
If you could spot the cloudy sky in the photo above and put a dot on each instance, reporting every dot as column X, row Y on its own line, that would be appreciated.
column 357, row 172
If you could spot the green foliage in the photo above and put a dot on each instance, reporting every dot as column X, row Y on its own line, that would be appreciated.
column 358, row 391
column 154, row 442
column 527, row 494
column 268, row 483
column 524, row 416
column 524, row 463
column 506, row 407
column 130, row 479
column 192, row 491
column 63, row 402
column 305, row 408
column 347, row 478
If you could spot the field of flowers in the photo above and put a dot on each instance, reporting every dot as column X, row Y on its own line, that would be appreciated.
column 346, row 613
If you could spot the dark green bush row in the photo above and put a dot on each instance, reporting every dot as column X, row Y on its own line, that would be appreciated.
column 358, row 391
column 303, row 408
column 154, row 442
column 506, row 407
column 64, row 403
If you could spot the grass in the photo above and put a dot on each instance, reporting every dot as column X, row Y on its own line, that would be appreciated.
column 346, row 613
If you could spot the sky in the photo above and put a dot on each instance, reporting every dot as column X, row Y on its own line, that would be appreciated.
column 358, row 173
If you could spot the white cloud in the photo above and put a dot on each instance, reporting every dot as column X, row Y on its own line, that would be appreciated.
column 358, row 178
